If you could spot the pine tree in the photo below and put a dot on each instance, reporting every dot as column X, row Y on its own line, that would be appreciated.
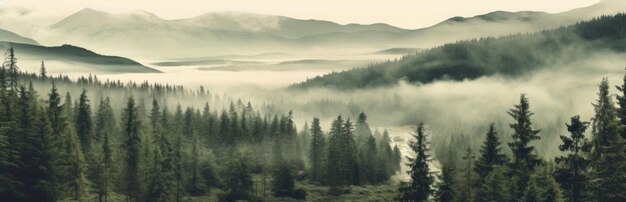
column 621, row 111
column 446, row 191
column 524, row 157
column 572, row 168
column 318, row 144
column 490, row 154
column 607, row 154
column 83, row 124
column 468, row 194
column 105, row 120
column 67, row 106
column 418, row 189
column 42, row 72
column 362, row 129
column 34, row 156
column 131, row 145
column 74, row 168
column 10, row 64
column 102, row 180
column 196, row 185
column 397, row 158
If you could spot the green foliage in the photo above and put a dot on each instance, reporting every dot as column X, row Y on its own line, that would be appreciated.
column 238, row 181
column 542, row 188
column 83, row 124
column 318, row 146
column 512, row 55
column 446, row 187
column 131, row 144
column 490, row 153
column 419, row 188
column 525, row 158
column 572, row 171
column 494, row 186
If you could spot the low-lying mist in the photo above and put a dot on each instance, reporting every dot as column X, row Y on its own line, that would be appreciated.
column 461, row 108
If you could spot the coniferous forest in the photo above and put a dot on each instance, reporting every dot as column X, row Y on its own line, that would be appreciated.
column 453, row 118
column 53, row 148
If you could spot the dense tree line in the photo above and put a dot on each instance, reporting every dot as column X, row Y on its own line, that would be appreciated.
column 53, row 147
column 589, row 169
column 513, row 55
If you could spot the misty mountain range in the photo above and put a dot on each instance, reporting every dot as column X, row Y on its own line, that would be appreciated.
column 143, row 34
column 510, row 56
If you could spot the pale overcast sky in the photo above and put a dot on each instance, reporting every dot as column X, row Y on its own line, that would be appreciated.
column 402, row 13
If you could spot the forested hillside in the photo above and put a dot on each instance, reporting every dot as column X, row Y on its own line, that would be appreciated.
column 93, row 140
column 121, row 142
column 510, row 56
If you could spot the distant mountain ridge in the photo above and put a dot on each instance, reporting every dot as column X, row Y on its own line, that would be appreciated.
column 13, row 37
column 509, row 56
column 73, row 58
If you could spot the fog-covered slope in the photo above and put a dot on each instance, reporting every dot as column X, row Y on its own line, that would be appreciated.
column 69, row 58
column 509, row 56
column 13, row 37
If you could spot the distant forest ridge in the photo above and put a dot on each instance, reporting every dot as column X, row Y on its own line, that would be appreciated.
column 513, row 55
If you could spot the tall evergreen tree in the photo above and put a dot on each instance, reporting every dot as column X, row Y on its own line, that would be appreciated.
column 524, row 157
column 318, row 144
column 34, row 157
column 105, row 120
column 446, row 190
column 74, row 168
column 490, row 153
column 468, row 194
column 131, row 145
column 418, row 189
column 42, row 71
column 83, row 123
column 67, row 107
column 572, row 168
column 607, row 155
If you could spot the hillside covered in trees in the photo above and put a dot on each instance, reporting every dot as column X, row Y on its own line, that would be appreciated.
column 509, row 56
column 93, row 140
column 84, row 139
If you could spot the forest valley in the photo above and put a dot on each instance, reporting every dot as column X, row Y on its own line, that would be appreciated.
column 124, row 149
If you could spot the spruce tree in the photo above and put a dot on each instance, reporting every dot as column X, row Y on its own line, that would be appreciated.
column 67, row 107
column 468, row 194
column 418, row 188
column 607, row 154
column 318, row 144
column 446, row 190
column 105, row 120
column 572, row 169
column 42, row 71
column 83, row 124
column 74, row 168
column 524, row 157
column 490, row 154
column 34, row 155
column 131, row 146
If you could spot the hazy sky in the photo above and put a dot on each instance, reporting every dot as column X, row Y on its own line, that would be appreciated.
column 403, row 13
